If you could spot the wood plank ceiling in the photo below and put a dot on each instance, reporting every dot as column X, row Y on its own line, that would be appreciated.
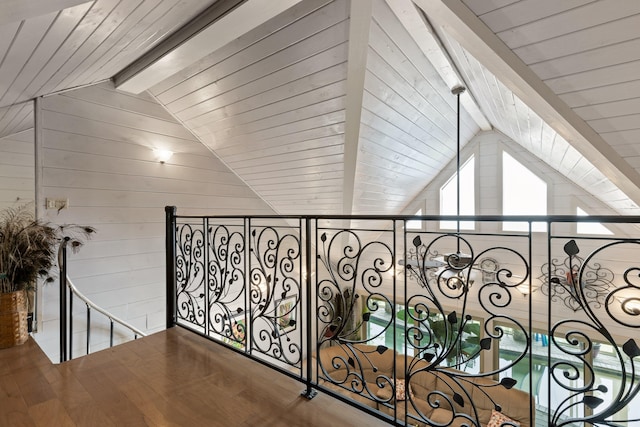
column 588, row 54
column 336, row 107
column 273, row 106
column 79, row 44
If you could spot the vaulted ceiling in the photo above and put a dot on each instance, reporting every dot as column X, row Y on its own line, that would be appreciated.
column 332, row 107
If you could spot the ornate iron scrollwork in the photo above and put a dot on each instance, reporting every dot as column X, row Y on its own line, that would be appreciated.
column 436, row 346
column 435, row 335
column 348, row 292
column 560, row 281
column 190, row 274
column 253, row 310
column 275, row 294
column 241, row 284
column 577, row 373
column 226, row 283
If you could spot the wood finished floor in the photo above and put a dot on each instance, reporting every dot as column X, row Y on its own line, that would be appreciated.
column 172, row 378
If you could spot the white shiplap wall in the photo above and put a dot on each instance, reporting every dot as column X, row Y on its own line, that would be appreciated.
column 97, row 151
column 16, row 169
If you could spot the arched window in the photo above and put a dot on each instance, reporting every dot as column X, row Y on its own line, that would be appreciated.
column 448, row 196
column 523, row 193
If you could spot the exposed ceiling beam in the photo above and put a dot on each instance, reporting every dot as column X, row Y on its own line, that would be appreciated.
column 223, row 22
column 359, row 28
column 424, row 36
column 156, row 64
column 19, row 10
column 460, row 22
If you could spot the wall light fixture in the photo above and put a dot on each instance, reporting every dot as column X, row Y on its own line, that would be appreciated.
column 162, row 155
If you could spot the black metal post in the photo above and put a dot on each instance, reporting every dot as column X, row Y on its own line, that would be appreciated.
column 70, row 324
column 532, row 407
column 88, row 329
column 63, row 303
column 170, row 242
column 207, row 313
column 309, row 392
column 248, row 334
column 548, row 331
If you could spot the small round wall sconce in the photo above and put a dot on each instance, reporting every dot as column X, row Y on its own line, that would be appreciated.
column 162, row 155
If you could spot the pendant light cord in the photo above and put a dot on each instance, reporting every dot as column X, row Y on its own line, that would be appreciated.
column 458, row 90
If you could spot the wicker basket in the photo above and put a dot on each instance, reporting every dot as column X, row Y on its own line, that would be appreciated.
column 13, row 319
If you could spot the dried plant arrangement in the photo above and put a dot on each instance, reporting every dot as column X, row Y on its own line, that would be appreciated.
column 28, row 247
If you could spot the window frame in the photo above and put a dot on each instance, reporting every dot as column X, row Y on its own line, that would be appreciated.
column 450, row 178
column 535, row 227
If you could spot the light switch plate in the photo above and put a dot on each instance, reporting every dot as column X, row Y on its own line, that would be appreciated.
column 58, row 204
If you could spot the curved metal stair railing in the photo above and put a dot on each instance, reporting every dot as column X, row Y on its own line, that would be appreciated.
column 66, row 333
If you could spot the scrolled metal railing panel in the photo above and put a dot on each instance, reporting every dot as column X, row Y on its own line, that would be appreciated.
column 599, row 299
column 226, row 282
column 352, row 271
column 441, row 319
column 435, row 318
column 190, row 275
column 275, row 295
column 390, row 304
column 240, row 283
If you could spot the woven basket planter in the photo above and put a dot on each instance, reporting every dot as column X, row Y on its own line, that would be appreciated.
column 13, row 319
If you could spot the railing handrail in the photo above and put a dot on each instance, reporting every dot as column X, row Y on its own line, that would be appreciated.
column 90, row 304
column 632, row 219
column 99, row 309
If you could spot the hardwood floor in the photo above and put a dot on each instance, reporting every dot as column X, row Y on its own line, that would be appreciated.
column 172, row 378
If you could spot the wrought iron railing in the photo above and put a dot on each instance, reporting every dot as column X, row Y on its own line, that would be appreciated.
column 423, row 326
column 68, row 293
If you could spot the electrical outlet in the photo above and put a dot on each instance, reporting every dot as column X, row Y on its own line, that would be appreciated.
column 58, row 204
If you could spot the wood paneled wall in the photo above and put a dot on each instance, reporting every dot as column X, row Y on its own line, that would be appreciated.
column 97, row 151
column 16, row 169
